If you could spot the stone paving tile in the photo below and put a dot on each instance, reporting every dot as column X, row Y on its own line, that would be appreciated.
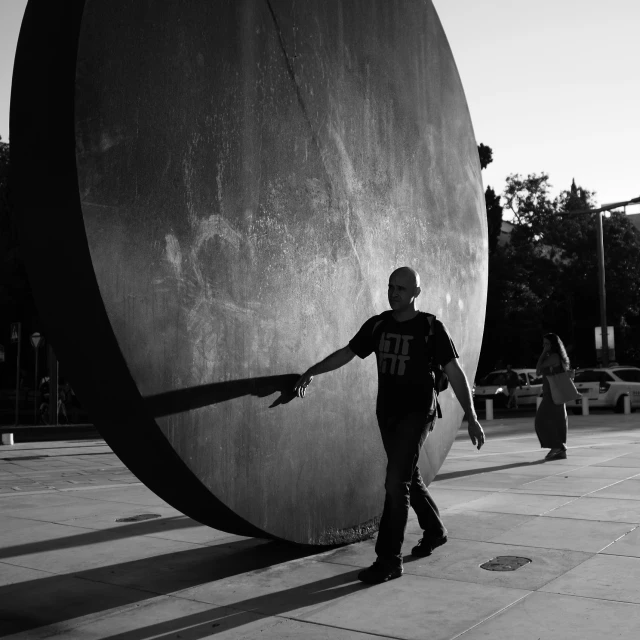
column 191, row 531
column 564, row 485
column 167, row 617
column 616, row 473
column 605, row 509
column 270, row 590
column 22, row 504
column 29, row 604
column 136, row 494
column 579, row 460
column 199, row 565
column 560, row 533
column 18, row 535
column 629, row 463
column 204, row 560
column 625, row 489
column 546, row 616
column 446, row 498
column 541, row 469
column 100, row 550
column 486, row 481
column 629, row 545
column 632, row 454
column 78, row 511
column 461, row 560
column 522, row 503
column 475, row 525
column 606, row 577
column 413, row 607
column 11, row 575
column 99, row 515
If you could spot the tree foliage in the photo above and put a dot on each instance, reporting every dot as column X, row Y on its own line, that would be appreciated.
column 546, row 277
column 486, row 155
column 492, row 201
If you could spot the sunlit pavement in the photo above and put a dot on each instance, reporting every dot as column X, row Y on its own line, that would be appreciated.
column 71, row 567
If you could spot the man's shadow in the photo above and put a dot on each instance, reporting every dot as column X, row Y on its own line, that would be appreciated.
column 182, row 400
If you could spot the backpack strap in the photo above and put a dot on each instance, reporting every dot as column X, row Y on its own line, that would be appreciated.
column 383, row 318
column 429, row 335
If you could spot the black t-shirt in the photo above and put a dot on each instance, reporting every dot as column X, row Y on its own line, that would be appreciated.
column 405, row 382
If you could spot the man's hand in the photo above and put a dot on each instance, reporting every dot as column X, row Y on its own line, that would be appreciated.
column 476, row 433
column 303, row 382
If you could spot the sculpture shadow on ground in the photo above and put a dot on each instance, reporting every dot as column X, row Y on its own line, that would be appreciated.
column 221, row 619
column 91, row 537
column 53, row 600
column 182, row 400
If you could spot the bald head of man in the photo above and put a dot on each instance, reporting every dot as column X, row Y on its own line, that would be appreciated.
column 404, row 288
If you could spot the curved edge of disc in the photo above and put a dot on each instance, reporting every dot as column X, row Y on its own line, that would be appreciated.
column 46, row 202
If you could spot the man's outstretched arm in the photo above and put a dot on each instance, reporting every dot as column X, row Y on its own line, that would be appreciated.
column 461, row 388
column 336, row 360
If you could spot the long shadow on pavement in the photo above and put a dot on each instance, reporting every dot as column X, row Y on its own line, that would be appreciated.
column 219, row 619
column 35, row 603
column 473, row 472
column 100, row 535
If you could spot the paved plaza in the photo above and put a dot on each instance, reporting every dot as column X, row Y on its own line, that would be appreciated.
column 72, row 566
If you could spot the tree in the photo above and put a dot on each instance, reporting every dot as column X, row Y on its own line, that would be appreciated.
column 486, row 155
column 492, row 201
column 545, row 278
column 494, row 218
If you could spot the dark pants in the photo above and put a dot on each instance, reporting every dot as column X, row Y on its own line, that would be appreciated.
column 403, row 437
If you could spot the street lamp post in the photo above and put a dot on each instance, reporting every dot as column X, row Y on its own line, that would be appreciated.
column 602, row 293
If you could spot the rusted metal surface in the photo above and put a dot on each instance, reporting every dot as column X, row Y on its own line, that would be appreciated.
column 224, row 189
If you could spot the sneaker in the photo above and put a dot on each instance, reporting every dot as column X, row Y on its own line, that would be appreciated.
column 378, row 573
column 426, row 546
column 556, row 454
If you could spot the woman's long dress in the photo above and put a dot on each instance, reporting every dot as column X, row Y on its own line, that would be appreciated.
column 551, row 419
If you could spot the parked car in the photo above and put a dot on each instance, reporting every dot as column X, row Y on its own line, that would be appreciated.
column 607, row 387
column 494, row 386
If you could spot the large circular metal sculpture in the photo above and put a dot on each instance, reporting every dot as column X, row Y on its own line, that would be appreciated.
column 213, row 195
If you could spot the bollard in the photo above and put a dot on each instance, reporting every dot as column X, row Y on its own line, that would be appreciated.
column 627, row 404
column 538, row 402
column 585, row 406
column 488, row 409
column 7, row 438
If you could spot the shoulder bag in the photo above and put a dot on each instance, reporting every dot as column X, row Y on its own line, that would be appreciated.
column 562, row 388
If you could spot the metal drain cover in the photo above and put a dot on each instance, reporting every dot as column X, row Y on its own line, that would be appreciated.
column 139, row 518
column 505, row 563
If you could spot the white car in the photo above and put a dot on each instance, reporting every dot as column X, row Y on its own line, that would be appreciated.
column 494, row 386
column 607, row 387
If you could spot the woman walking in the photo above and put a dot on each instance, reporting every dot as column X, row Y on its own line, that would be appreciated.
column 551, row 419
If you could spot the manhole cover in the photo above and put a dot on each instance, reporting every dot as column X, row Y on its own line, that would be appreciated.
column 139, row 518
column 505, row 563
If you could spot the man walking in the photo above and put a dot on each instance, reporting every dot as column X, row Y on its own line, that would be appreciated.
column 513, row 382
column 410, row 346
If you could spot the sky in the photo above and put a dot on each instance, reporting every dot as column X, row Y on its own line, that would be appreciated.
column 552, row 87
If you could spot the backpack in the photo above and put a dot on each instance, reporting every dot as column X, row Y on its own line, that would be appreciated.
column 440, row 378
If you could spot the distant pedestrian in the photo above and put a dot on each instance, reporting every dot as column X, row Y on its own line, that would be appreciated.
column 551, row 419
column 410, row 347
column 513, row 382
